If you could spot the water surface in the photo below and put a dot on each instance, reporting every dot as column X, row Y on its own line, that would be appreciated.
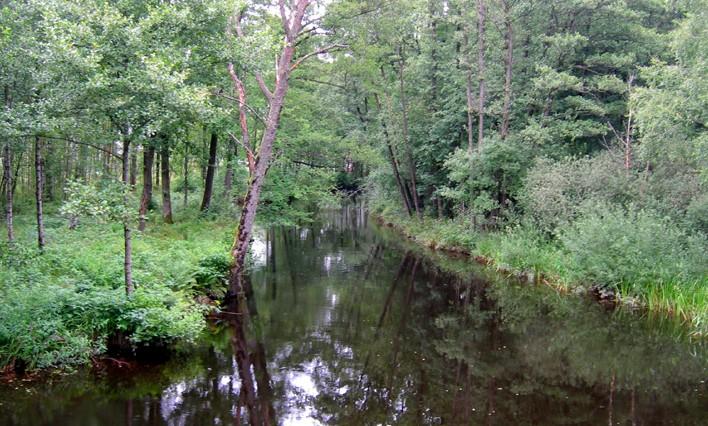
column 351, row 325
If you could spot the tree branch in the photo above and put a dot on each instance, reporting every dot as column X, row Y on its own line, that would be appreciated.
column 328, row 83
column 89, row 144
column 317, row 52
column 250, row 157
column 284, row 18
column 249, row 107
column 312, row 165
column 261, row 83
column 243, row 121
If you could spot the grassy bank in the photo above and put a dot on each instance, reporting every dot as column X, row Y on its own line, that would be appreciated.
column 67, row 306
column 643, row 273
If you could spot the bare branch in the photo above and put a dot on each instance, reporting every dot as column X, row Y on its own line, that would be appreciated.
column 284, row 18
column 313, row 165
column 239, row 32
column 307, row 31
column 241, row 90
column 617, row 135
column 328, row 83
column 261, row 84
column 89, row 144
column 250, row 157
column 249, row 107
column 317, row 52
column 238, row 141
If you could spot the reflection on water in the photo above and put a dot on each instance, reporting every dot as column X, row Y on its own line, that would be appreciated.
column 349, row 325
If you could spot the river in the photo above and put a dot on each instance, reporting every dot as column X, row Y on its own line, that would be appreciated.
column 350, row 324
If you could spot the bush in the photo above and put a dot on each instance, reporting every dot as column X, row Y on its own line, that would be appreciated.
column 487, row 181
column 554, row 192
column 33, row 333
column 45, row 325
column 211, row 275
column 159, row 316
column 59, row 308
column 632, row 248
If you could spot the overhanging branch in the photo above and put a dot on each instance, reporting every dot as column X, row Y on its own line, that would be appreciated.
column 317, row 52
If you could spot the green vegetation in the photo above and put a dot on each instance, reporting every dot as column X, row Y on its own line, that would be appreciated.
column 61, row 307
column 564, row 137
column 618, row 250
column 597, row 180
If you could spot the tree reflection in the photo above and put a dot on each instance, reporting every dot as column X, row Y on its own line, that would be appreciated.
column 249, row 352
column 375, row 331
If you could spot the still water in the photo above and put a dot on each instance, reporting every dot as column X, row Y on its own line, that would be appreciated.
column 351, row 325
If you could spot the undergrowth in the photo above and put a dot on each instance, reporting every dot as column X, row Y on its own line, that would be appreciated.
column 60, row 307
column 644, row 258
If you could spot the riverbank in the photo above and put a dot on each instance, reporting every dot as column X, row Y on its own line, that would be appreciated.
column 522, row 252
column 66, row 307
column 342, row 309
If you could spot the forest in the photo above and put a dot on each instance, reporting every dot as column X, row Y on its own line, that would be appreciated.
column 148, row 145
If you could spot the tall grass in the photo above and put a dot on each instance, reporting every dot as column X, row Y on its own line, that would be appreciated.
column 644, row 258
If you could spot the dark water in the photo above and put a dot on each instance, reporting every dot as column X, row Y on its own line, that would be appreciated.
column 350, row 325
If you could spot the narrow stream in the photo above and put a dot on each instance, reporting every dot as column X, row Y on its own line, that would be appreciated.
column 351, row 325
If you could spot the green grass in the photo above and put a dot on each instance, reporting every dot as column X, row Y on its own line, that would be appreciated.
column 57, row 308
column 685, row 301
column 453, row 235
column 664, row 276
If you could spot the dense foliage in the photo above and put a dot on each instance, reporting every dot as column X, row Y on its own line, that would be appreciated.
column 567, row 138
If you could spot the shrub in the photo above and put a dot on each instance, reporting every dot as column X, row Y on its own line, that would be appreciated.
column 555, row 191
column 523, row 247
column 32, row 331
column 633, row 248
column 211, row 275
column 487, row 181
column 159, row 315
column 45, row 325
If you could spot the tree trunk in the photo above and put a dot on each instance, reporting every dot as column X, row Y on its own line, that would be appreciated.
column 79, row 172
column 157, row 170
column 432, row 14
column 7, row 175
column 469, row 95
column 49, row 179
column 16, row 173
column 406, row 139
column 80, row 169
column 394, row 163
column 72, row 164
column 229, row 175
column 186, row 178
column 481, row 16
column 438, row 200
column 148, row 159
column 166, row 195
column 127, row 235
column 629, row 130
column 133, row 169
column 211, row 168
column 508, row 65
column 106, row 160
column 39, row 190
column 250, row 205
column 242, row 241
